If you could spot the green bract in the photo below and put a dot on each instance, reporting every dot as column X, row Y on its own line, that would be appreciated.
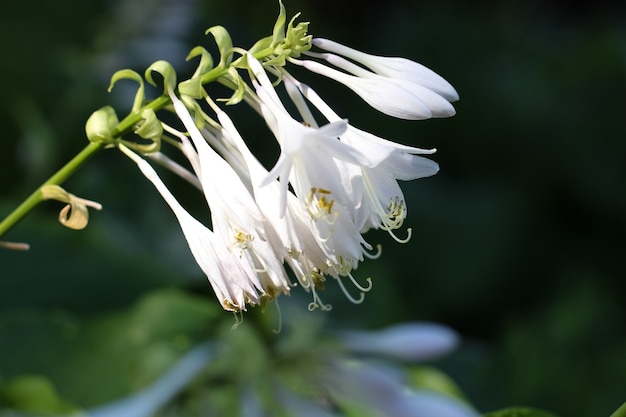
column 167, row 72
column 130, row 75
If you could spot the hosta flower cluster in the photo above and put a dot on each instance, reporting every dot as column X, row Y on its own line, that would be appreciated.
column 332, row 182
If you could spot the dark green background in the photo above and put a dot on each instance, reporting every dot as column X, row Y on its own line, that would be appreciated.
column 519, row 242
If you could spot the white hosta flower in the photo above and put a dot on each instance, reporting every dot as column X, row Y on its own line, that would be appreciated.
column 311, row 159
column 233, row 284
column 394, row 67
column 384, row 205
column 235, row 216
column 296, row 243
column 395, row 86
column 378, row 200
column 382, row 94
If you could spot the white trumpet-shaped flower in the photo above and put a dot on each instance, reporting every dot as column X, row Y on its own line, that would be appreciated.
column 393, row 67
column 233, row 284
column 395, row 86
column 236, row 218
column 378, row 200
column 296, row 243
column 310, row 160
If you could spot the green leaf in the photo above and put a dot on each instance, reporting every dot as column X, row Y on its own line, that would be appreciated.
column 520, row 412
column 432, row 379
column 119, row 352
column 620, row 412
column 33, row 394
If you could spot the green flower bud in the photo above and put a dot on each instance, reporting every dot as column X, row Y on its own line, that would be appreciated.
column 100, row 125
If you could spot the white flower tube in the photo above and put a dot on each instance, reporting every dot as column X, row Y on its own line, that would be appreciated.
column 235, row 215
column 438, row 105
column 393, row 67
column 232, row 284
column 382, row 94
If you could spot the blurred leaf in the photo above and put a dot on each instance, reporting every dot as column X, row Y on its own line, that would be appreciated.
column 620, row 412
column 33, row 394
column 432, row 379
column 520, row 412
column 120, row 352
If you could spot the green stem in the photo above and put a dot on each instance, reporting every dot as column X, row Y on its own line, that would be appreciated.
column 59, row 177
column 72, row 166
column 620, row 412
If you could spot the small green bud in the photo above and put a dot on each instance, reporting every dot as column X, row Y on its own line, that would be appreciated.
column 100, row 125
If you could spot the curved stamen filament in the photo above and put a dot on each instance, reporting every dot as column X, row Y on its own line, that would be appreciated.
column 317, row 302
column 376, row 255
column 359, row 286
column 391, row 218
column 348, row 295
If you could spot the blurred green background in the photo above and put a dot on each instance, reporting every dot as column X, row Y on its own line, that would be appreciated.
column 519, row 242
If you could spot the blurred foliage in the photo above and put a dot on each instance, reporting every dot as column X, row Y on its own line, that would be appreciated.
column 100, row 359
column 518, row 242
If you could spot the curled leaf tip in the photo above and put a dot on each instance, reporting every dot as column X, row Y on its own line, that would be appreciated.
column 75, row 214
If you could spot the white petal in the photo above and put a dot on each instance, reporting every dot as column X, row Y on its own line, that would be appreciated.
column 383, row 95
column 407, row 167
column 411, row 341
column 394, row 67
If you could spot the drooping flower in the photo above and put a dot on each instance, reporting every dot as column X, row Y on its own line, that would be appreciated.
column 235, row 216
column 377, row 198
column 395, row 86
column 394, row 67
column 313, row 161
column 296, row 243
column 233, row 283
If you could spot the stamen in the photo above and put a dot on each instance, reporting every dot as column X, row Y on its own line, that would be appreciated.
column 359, row 286
column 238, row 318
column 319, row 207
column 317, row 302
column 391, row 218
column 280, row 317
column 348, row 295
column 343, row 266
column 379, row 251
column 409, row 232
column 318, row 279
